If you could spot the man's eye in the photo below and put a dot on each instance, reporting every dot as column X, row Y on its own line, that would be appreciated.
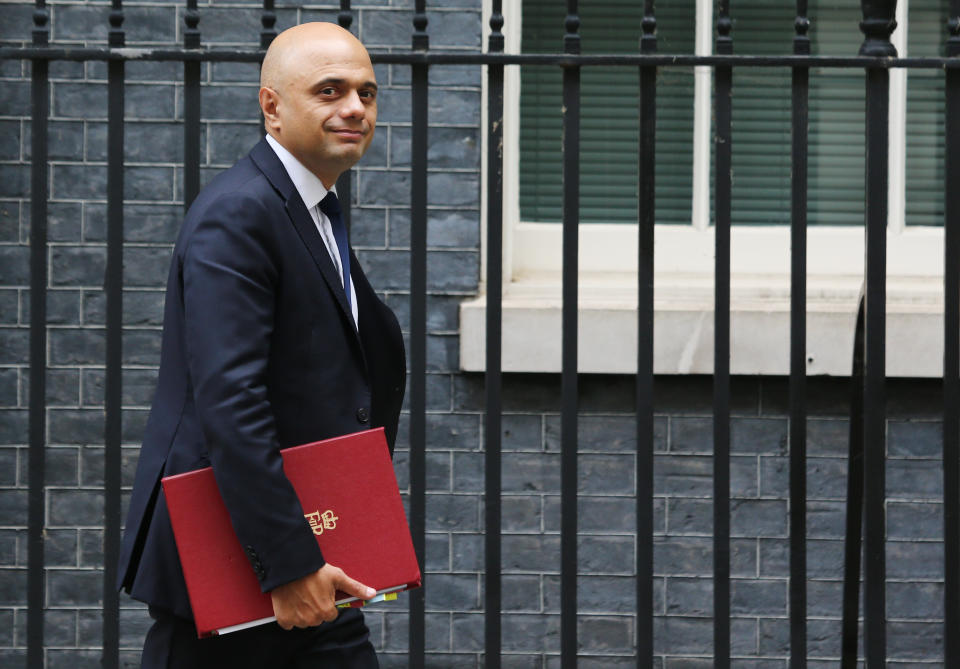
column 329, row 90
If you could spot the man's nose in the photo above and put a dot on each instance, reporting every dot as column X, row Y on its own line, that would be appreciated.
column 352, row 106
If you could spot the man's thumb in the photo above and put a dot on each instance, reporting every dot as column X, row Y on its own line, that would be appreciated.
column 354, row 588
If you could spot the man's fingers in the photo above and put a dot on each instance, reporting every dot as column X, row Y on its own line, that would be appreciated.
column 355, row 588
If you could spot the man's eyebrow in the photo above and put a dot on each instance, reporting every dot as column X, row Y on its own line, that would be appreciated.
column 339, row 81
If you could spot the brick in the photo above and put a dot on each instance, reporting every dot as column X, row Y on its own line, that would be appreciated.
column 691, row 475
column 74, row 659
column 758, row 517
column 606, row 554
column 826, row 520
column 437, row 552
column 14, row 344
column 914, row 479
column 758, row 435
column 455, row 148
column 61, row 466
column 141, row 347
column 610, row 474
column 758, row 597
column 13, row 426
column 153, row 142
column 91, row 548
column 228, row 103
column 605, row 633
column 13, row 507
column 78, row 265
column 60, row 628
column 230, row 142
column 528, row 472
column 445, row 229
column 14, row 180
column 76, row 587
column 468, row 472
column 611, row 514
column 13, row 587
column 914, row 600
column 689, row 596
column 75, row 507
column 914, row 439
column 530, row 632
column 468, row 632
column 521, row 513
column 9, row 221
column 521, row 592
column 530, row 553
column 827, row 437
column 466, row 552
column 682, row 555
column 914, row 640
column 453, row 512
column 909, row 520
column 690, row 516
column 457, row 592
column 437, row 632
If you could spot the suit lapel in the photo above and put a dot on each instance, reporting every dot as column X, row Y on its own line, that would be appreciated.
column 268, row 162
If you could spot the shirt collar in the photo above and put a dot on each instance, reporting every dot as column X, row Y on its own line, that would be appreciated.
column 311, row 189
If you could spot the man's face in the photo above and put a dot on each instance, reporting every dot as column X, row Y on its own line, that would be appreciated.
column 327, row 108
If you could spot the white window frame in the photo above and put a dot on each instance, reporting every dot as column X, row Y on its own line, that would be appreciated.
column 760, row 261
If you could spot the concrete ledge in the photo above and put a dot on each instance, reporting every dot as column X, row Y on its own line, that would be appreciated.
column 683, row 325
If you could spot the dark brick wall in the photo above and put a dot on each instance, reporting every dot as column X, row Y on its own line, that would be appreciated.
column 455, row 474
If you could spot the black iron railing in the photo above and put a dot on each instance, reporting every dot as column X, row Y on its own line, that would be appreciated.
column 876, row 57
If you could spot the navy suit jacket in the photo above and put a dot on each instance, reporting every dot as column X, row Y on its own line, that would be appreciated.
column 259, row 353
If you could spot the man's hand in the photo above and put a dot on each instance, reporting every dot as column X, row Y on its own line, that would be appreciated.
column 308, row 601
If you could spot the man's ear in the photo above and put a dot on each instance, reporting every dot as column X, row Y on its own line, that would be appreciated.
column 269, row 101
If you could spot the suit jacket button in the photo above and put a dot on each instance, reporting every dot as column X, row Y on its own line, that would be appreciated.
column 363, row 415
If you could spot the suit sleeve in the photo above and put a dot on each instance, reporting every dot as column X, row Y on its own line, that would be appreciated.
column 230, row 274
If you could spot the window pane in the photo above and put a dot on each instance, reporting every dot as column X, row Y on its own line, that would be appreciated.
column 926, row 32
column 609, row 129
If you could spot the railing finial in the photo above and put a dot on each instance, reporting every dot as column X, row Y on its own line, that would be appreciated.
column 41, row 24
column 953, row 41
column 801, row 26
column 571, row 39
column 421, row 40
column 268, row 20
column 648, row 27
column 495, row 43
column 191, row 34
column 345, row 17
column 724, row 27
column 877, row 25
column 116, row 37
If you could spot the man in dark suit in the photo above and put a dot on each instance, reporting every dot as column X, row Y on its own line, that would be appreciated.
column 272, row 337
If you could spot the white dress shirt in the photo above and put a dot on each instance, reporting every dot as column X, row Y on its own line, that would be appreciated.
column 312, row 191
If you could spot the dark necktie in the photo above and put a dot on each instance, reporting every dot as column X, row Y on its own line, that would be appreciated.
column 330, row 206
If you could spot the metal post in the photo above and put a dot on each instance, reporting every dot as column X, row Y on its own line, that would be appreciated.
column 645, row 260
column 418, row 328
column 113, row 385
column 877, row 24
column 721, row 363
column 951, row 352
column 191, row 107
column 40, row 113
column 493, row 427
column 798, row 345
column 568, row 381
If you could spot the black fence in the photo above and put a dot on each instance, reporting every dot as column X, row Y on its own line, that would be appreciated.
column 877, row 56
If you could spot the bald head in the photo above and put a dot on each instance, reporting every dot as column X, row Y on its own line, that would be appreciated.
column 291, row 49
column 318, row 94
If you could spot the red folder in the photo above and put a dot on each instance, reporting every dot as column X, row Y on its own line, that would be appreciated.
column 362, row 531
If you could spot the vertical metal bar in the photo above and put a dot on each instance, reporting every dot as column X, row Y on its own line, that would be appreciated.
column 114, row 362
column 854, row 520
column 568, row 381
column 493, row 427
column 721, row 366
column 951, row 352
column 268, row 20
column 798, row 346
column 345, row 182
column 40, row 112
column 645, row 260
column 418, row 328
column 877, row 24
column 191, row 107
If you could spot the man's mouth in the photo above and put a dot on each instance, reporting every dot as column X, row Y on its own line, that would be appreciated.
column 347, row 133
